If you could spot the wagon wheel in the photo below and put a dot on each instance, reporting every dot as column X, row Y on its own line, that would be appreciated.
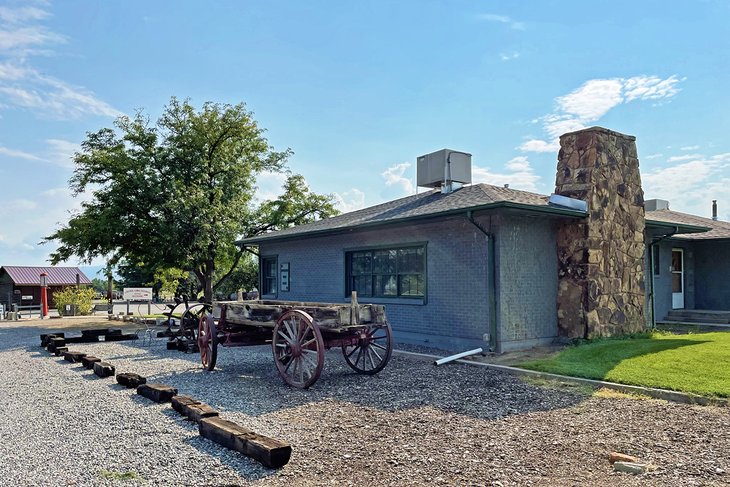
column 190, row 320
column 372, row 351
column 298, row 349
column 208, row 341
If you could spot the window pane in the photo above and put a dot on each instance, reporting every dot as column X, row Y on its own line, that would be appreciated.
column 676, row 261
column 361, row 263
column 412, row 285
column 386, row 285
column 410, row 260
column 384, row 261
column 363, row 285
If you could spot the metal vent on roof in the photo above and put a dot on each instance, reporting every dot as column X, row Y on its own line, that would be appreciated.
column 565, row 202
column 441, row 168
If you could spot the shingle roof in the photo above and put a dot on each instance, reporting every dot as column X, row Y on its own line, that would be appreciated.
column 427, row 204
column 716, row 229
column 30, row 276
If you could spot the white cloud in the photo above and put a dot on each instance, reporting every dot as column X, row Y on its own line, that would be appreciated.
column 502, row 19
column 685, row 157
column 22, row 14
column 535, row 145
column 58, row 152
column 26, row 221
column 395, row 176
column 689, row 147
column 61, row 152
column 269, row 185
column 592, row 100
column 508, row 56
column 18, row 154
column 653, row 156
column 519, row 175
column 351, row 200
column 650, row 87
column 692, row 184
column 21, row 36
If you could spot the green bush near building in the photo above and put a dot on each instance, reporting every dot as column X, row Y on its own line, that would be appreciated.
column 81, row 298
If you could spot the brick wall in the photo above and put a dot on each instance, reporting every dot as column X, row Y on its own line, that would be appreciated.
column 455, row 313
column 526, row 282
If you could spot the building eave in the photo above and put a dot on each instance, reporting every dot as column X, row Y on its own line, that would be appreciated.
column 544, row 210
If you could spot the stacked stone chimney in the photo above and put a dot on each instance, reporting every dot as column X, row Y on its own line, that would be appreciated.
column 601, row 258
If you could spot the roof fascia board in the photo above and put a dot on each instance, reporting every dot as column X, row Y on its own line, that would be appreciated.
column 501, row 204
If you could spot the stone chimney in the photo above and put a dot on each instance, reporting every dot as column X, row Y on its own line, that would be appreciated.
column 601, row 258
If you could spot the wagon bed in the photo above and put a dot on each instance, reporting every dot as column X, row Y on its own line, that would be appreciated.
column 299, row 334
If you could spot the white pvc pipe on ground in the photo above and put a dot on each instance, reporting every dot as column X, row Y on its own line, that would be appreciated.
column 451, row 358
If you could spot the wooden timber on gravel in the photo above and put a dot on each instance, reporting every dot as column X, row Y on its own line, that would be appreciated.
column 45, row 337
column 157, row 392
column 73, row 357
column 328, row 316
column 60, row 351
column 103, row 369
column 89, row 361
column 53, row 343
column 270, row 452
column 130, row 380
column 193, row 409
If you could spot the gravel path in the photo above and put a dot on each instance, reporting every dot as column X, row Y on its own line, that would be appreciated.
column 413, row 424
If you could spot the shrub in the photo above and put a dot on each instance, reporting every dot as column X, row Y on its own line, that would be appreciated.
column 81, row 297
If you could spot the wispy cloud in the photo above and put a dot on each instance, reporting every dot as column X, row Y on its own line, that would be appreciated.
column 518, row 173
column 509, row 56
column 502, row 19
column 22, row 14
column 684, row 157
column 653, row 156
column 23, row 86
column 692, row 183
column 689, row 147
column 58, row 152
column 595, row 98
column 351, row 200
column 18, row 154
column 395, row 176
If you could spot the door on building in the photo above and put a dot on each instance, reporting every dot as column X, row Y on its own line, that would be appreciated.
column 677, row 278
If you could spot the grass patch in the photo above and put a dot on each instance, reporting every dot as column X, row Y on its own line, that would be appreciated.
column 108, row 474
column 695, row 363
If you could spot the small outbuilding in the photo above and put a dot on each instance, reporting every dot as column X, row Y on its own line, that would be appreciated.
column 21, row 285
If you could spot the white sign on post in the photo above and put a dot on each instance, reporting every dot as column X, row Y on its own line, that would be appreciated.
column 137, row 294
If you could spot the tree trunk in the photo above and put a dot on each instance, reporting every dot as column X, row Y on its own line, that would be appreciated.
column 208, row 281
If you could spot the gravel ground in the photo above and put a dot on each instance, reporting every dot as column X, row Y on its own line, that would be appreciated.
column 413, row 424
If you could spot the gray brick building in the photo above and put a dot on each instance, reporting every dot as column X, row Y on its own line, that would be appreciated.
column 502, row 269
column 476, row 267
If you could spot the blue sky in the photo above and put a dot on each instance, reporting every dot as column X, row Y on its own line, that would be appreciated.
column 359, row 89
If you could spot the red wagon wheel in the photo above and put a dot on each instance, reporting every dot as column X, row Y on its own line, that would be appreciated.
column 298, row 349
column 372, row 351
column 208, row 341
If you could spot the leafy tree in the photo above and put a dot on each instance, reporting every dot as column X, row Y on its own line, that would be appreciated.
column 99, row 285
column 178, row 193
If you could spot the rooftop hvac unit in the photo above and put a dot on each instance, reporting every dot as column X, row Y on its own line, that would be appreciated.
column 437, row 168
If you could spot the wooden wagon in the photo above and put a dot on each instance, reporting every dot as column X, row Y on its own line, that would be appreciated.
column 299, row 334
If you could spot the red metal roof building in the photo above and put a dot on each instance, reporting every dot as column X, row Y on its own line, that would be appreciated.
column 21, row 284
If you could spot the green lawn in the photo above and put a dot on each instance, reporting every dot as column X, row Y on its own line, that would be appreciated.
column 697, row 363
